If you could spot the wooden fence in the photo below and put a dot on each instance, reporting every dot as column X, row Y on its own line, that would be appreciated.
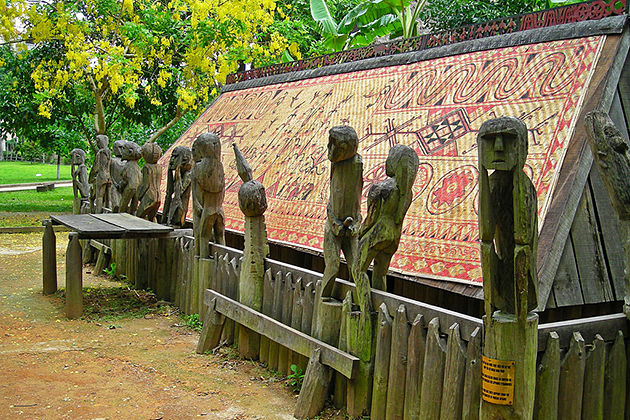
column 427, row 359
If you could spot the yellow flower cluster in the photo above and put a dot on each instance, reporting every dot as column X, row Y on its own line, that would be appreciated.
column 121, row 53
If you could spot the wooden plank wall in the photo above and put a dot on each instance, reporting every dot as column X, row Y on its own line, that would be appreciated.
column 591, row 267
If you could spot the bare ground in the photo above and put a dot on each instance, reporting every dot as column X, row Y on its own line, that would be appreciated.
column 139, row 368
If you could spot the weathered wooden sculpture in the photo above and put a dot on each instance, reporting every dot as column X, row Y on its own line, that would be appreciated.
column 80, row 184
column 208, row 190
column 508, row 229
column 253, row 203
column 131, row 178
column 116, row 167
column 149, row 189
column 388, row 202
column 178, row 186
column 610, row 151
column 344, row 204
column 99, row 175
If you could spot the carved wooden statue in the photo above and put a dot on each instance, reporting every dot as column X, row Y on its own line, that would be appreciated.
column 99, row 175
column 612, row 157
column 508, row 229
column 508, row 218
column 208, row 190
column 388, row 202
column 149, row 189
column 80, row 184
column 253, row 203
column 116, row 167
column 178, row 185
column 344, row 204
column 131, row 178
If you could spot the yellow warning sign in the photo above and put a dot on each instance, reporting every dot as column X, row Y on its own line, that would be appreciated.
column 497, row 381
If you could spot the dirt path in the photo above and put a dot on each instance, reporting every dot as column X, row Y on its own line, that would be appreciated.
column 142, row 368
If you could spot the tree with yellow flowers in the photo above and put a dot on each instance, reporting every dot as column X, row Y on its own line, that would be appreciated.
column 138, row 59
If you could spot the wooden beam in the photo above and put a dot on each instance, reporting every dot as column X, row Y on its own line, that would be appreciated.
column 606, row 325
column 100, row 246
column 342, row 362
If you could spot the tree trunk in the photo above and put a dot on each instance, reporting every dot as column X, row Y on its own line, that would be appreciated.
column 58, row 164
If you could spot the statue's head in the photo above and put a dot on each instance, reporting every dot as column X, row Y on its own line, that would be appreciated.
column 117, row 147
column 502, row 144
column 78, row 156
column 207, row 145
column 102, row 141
column 131, row 151
column 402, row 164
column 182, row 157
column 342, row 143
column 151, row 152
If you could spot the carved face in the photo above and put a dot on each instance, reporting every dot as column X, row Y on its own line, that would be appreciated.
column 502, row 144
column 102, row 141
column 342, row 143
column 151, row 152
column 131, row 151
column 117, row 147
column 182, row 157
column 78, row 156
column 207, row 145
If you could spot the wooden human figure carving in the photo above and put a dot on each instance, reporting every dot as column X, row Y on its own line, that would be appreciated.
column 116, row 167
column 253, row 203
column 344, row 204
column 208, row 190
column 99, row 175
column 80, row 184
column 612, row 157
column 508, row 218
column 131, row 178
column 149, row 189
column 178, row 186
column 388, row 202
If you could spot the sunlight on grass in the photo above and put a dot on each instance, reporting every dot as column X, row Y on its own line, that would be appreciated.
column 58, row 201
column 23, row 172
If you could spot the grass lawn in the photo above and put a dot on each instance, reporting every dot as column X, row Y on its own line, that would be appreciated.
column 57, row 201
column 22, row 172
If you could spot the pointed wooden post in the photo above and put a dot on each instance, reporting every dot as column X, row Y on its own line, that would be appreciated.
column 74, row 277
column 49, row 259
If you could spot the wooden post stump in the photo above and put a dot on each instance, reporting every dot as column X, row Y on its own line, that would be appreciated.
column 49, row 259
column 314, row 389
column 211, row 332
column 207, row 268
column 74, row 277
column 194, row 297
column 328, row 321
column 509, row 340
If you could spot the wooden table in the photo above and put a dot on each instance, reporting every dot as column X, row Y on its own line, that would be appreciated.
column 87, row 226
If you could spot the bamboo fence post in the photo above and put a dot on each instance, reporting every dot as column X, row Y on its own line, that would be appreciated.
column 572, row 380
column 381, row 363
column 593, row 399
column 454, row 376
column 548, row 381
column 472, row 390
column 398, row 365
column 615, row 380
column 267, row 309
column 415, row 362
column 433, row 373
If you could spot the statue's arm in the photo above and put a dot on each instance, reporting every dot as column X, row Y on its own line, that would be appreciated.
column 486, row 207
column 355, row 227
column 84, row 186
column 373, row 213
